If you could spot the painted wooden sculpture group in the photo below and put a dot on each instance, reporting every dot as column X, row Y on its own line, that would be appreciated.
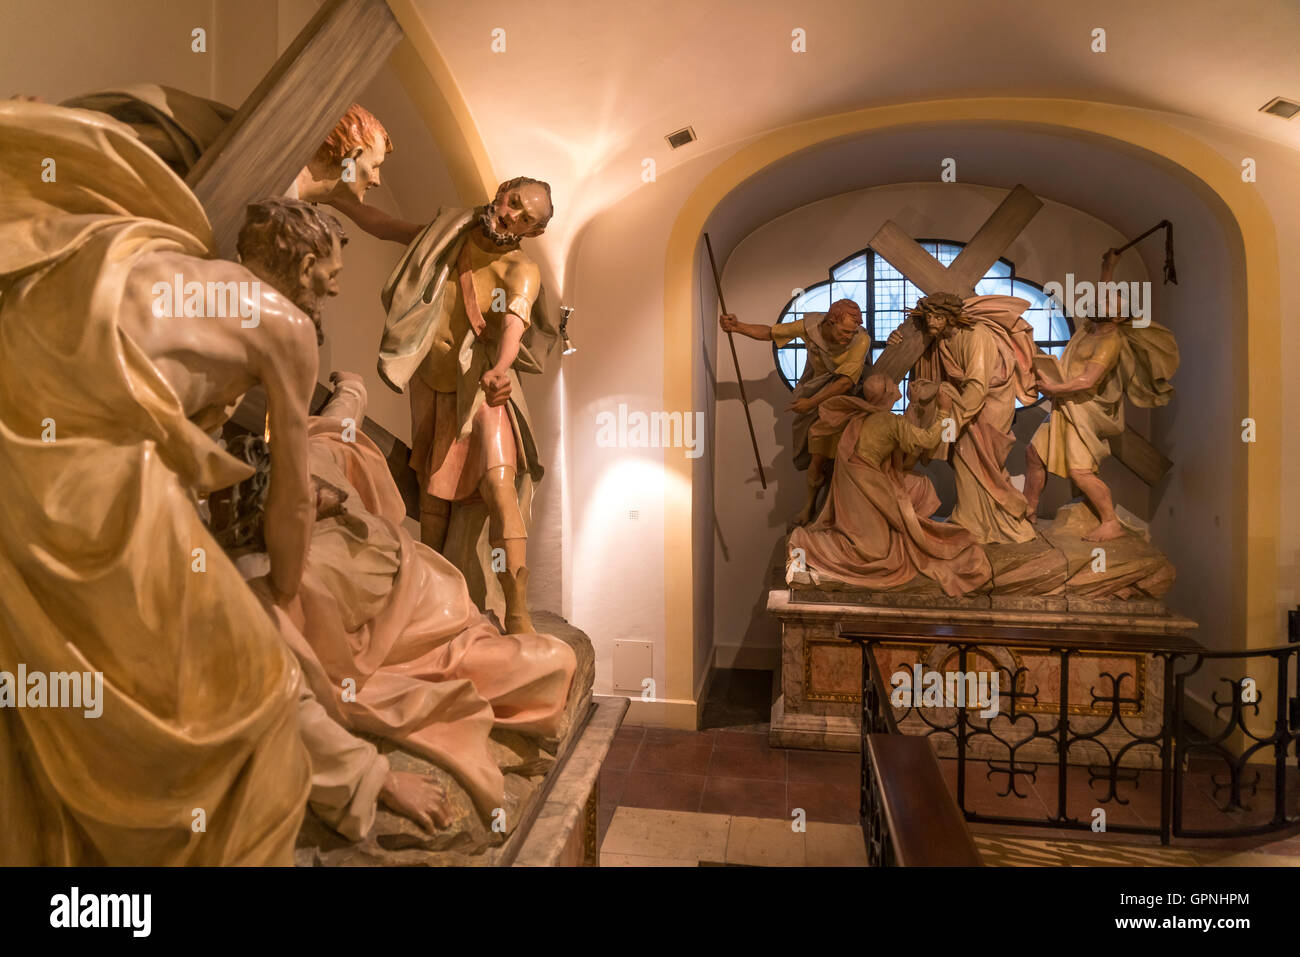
column 971, row 358
column 263, row 625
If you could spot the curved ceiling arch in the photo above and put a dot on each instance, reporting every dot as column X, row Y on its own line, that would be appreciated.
column 1121, row 185
column 1139, row 137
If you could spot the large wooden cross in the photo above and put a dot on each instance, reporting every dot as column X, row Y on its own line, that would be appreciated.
column 276, row 131
column 930, row 276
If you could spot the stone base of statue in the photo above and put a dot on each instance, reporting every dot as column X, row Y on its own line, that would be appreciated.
column 1046, row 595
column 551, row 796
column 1058, row 565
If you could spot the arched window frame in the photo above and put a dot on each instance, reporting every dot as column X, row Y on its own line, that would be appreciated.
column 881, row 326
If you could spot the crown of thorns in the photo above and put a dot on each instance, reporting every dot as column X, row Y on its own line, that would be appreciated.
column 943, row 304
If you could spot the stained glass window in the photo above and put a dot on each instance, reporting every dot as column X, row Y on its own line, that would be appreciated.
column 885, row 296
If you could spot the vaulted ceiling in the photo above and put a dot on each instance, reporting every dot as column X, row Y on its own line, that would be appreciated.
column 585, row 90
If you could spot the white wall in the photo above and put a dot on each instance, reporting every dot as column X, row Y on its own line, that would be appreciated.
column 796, row 250
column 614, row 588
column 1278, row 185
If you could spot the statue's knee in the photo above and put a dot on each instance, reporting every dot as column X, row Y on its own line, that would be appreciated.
column 499, row 484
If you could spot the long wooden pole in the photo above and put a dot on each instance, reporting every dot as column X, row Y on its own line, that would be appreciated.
column 1170, row 273
column 740, row 380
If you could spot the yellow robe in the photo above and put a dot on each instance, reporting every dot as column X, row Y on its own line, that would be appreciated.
column 824, row 363
column 1075, row 434
column 98, row 536
column 1137, row 364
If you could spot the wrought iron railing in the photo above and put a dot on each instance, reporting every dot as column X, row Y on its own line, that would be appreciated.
column 1096, row 738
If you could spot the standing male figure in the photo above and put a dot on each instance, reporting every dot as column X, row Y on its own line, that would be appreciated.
column 459, row 304
column 1105, row 360
column 983, row 347
column 838, row 348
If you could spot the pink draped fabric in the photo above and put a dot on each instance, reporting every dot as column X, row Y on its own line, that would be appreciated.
column 872, row 531
column 431, row 672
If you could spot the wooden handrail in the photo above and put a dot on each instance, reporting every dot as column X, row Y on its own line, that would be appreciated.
column 924, row 824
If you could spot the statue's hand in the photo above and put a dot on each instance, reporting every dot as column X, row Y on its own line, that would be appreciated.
column 728, row 322
column 802, row 405
column 416, row 798
column 895, row 338
column 496, row 387
column 339, row 379
column 329, row 498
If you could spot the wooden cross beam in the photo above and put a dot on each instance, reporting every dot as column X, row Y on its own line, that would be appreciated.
column 286, row 118
column 959, row 278
column 930, row 276
column 275, row 133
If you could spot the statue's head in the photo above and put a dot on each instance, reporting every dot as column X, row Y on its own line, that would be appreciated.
column 942, row 314
column 843, row 321
column 521, row 208
column 296, row 248
column 357, row 137
column 880, row 392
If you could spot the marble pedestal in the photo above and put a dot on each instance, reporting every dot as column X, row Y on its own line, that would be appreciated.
column 819, row 702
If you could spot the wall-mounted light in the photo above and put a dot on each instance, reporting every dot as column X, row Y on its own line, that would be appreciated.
column 566, row 346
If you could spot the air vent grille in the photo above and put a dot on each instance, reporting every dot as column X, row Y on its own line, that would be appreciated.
column 1280, row 107
column 681, row 137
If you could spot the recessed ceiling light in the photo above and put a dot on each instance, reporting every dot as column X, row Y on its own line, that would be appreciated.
column 681, row 137
column 1280, row 107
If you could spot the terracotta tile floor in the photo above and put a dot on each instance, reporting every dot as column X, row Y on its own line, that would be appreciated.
column 726, row 772
column 723, row 795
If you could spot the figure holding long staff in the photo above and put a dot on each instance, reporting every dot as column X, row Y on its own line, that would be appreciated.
column 838, row 348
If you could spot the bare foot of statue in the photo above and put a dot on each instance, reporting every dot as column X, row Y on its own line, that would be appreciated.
column 416, row 797
column 802, row 517
column 1106, row 531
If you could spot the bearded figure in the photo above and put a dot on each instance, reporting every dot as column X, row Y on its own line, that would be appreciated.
column 464, row 305
column 984, row 349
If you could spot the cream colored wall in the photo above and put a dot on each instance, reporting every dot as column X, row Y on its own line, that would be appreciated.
column 796, row 250
column 61, row 48
column 614, row 585
column 1278, row 185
